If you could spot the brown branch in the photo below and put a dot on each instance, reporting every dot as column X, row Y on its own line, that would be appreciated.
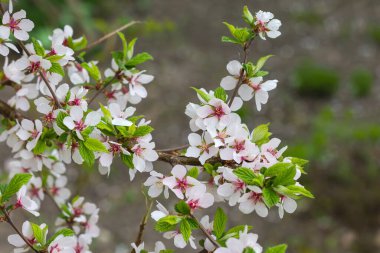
column 108, row 35
column 212, row 239
column 10, row 222
column 242, row 71
column 173, row 149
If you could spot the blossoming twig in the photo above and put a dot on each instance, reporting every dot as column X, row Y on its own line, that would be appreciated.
column 242, row 71
column 144, row 221
column 10, row 222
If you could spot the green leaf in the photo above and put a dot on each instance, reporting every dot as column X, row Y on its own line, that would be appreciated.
column 277, row 249
column 193, row 172
column 95, row 145
column 182, row 207
column 298, row 161
column 293, row 191
column 230, row 40
column 248, row 250
column 60, row 117
column 40, row 147
column 124, row 43
column 220, row 222
column 57, row 68
column 142, row 131
column 131, row 47
column 261, row 134
column 79, row 44
column 38, row 48
column 15, row 185
column 271, row 197
column 64, row 232
column 220, row 93
column 237, row 229
column 54, row 58
column 39, row 234
column 300, row 190
column 206, row 97
column 260, row 63
column 247, row 15
column 87, row 155
column 127, row 160
column 286, row 176
column 93, row 70
column 245, row 174
column 167, row 223
column 139, row 59
column 185, row 230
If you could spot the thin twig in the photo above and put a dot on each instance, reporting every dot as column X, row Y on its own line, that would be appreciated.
column 207, row 234
column 242, row 72
column 105, row 85
column 108, row 35
column 143, row 223
column 10, row 222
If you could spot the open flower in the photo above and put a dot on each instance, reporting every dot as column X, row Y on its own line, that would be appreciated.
column 16, row 23
column 235, row 245
column 75, row 120
column 286, row 204
column 197, row 197
column 62, row 244
column 253, row 201
column 229, row 82
column 258, row 89
column 33, row 63
column 179, row 183
column 202, row 147
column 119, row 116
column 25, row 202
column 232, row 188
column 215, row 112
column 156, row 185
column 266, row 25
column 179, row 241
column 136, row 83
column 30, row 130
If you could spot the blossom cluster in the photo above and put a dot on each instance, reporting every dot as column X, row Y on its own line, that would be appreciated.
column 225, row 161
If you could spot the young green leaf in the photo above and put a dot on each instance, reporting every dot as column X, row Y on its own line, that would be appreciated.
column 139, row 59
column 247, row 15
column 185, row 229
column 261, row 134
column 220, row 222
column 193, row 172
column 15, row 185
column 182, row 207
column 38, row 48
column 39, row 233
column 206, row 97
column 277, row 249
column 271, row 197
column 220, row 93
column 87, row 155
column 95, row 145
column 57, row 68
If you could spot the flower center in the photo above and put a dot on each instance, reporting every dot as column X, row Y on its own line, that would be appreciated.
column 182, row 184
column 79, row 125
column 239, row 146
column 115, row 149
column 193, row 204
column 13, row 24
column 219, row 112
column 255, row 197
column 34, row 66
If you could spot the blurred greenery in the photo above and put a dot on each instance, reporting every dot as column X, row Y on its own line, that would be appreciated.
column 361, row 82
column 311, row 79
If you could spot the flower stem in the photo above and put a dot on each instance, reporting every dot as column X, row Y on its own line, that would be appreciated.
column 207, row 234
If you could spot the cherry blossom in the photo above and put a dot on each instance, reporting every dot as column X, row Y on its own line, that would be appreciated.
column 179, row 183
column 119, row 116
column 266, row 25
column 160, row 213
column 6, row 44
column 234, row 69
column 179, row 241
column 156, row 185
column 201, row 146
column 258, row 89
column 75, row 120
column 286, row 204
column 63, row 244
column 253, row 201
column 57, row 188
column 215, row 112
column 246, row 240
column 25, row 202
column 136, row 82
column 16, row 23
column 106, row 159
column 232, row 188
column 30, row 130
column 197, row 197
column 33, row 64
column 144, row 154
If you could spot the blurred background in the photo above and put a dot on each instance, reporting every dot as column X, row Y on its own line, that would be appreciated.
column 326, row 108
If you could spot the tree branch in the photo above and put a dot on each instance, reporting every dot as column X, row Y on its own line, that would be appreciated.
column 143, row 223
column 9, row 112
column 108, row 35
